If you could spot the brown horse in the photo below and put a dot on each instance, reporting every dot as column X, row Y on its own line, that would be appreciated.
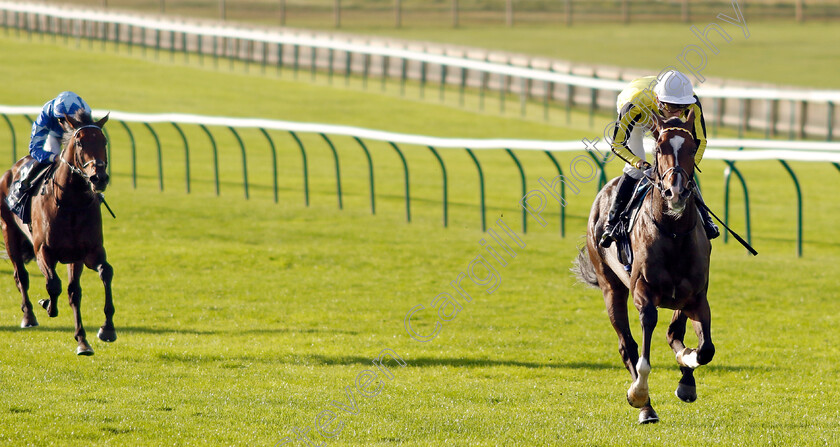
column 66, row 226
column 670, row 266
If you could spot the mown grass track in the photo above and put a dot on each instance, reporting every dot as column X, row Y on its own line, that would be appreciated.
column 241, row 319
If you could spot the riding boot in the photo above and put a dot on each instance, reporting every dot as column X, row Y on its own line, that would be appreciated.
column 19, row 188
column 27, row 176
column 623, row 193
column 712, row 230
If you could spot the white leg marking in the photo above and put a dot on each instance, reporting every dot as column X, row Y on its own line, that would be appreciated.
column 638, row 392
column 643, row 368
column 688, row 358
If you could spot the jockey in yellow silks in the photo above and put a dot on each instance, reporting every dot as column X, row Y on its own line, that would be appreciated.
column 671, row 95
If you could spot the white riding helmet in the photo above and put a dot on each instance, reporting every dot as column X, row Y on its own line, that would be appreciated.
column 674, row 88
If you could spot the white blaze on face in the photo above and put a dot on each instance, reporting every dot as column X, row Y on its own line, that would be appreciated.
column 676, row 143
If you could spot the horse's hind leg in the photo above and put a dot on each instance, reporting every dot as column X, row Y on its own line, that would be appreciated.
column 22, row 280
column 615, row 299
column 74, row 293
column 106, row 273
column 686, row 389
column 14, row 240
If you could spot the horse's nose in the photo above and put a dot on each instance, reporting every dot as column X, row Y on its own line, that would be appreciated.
column 99, row 180
column 675, row 191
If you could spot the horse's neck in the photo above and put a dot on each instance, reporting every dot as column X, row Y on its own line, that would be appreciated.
column 69, row 189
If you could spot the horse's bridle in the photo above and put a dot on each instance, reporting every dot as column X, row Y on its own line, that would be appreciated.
column 74, row 166
column 676, row 169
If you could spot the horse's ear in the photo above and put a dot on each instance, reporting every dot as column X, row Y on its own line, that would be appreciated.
column 102, row 122
column 658, row 124
column 69, row 123
column 689, row 121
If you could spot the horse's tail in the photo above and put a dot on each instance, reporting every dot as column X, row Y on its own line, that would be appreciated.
column 583, row 269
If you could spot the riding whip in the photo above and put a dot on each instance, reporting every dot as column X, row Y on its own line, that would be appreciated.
column 734, row 234
column 102, row 199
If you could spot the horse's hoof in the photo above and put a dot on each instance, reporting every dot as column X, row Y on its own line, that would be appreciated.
column 648, row 416
column 28, row 322
column 686, row 393
column 108, row 335
column 84, row 348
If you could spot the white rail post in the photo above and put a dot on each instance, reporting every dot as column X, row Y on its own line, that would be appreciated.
column 454, row 13
column 282, row 12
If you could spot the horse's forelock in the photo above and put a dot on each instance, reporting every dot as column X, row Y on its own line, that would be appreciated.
column 83, row 118
column 674, row 122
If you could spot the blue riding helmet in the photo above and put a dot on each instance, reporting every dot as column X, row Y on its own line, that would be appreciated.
column 68, row 103
column 47, row 124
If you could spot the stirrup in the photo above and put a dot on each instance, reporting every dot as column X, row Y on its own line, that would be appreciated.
column 607, row 238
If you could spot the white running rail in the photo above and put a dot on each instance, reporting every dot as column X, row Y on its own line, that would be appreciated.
column 720, row 149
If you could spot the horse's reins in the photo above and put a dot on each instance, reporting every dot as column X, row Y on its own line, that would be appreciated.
column 81, row 173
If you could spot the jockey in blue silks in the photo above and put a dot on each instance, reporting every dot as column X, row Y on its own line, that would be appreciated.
column 45, row 142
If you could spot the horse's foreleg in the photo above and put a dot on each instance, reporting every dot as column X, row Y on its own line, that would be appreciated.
column 686, row 389
column 701, row 319
column 638, row 395
column 74, row 293
column 46, row 264
column 106, row 273
column 615, row 298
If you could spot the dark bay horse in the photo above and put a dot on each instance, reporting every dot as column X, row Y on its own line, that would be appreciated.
column 670, row 266
column 66, row 226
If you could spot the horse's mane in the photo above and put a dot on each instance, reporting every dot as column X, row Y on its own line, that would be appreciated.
column 83, row 118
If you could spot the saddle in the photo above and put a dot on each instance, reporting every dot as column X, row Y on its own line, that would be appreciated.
column 19, row 200
column 627, row 219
